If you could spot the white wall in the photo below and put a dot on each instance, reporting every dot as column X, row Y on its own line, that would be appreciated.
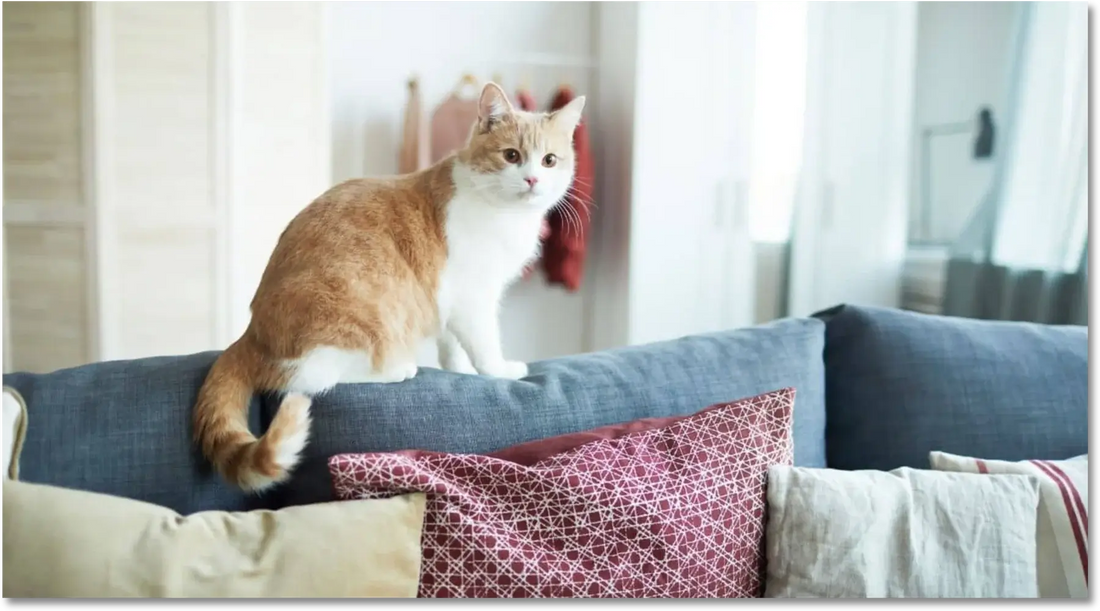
column 963, row 57
column 277, row 140
column 375, row 47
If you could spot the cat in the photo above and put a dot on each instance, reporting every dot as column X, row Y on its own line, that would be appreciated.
column 374, row 266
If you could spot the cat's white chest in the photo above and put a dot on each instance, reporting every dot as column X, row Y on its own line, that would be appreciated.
column 486, row 250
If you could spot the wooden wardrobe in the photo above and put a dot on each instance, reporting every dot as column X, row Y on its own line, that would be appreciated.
column 153, row 152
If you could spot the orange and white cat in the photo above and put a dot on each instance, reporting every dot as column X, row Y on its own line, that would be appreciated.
column 372, row 267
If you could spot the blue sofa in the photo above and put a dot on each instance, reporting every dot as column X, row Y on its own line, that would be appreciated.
column 876, row 389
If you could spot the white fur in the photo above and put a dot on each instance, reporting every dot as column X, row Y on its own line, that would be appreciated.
column 492, row 231
column 290, row 448
column 286, row 455
column 326, row 366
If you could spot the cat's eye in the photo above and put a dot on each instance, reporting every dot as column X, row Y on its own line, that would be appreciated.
column 511, row 155
column 550, row 160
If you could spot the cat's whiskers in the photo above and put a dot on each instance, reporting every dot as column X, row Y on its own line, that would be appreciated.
column 587, row 205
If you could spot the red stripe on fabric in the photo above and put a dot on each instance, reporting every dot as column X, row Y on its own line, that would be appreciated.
column 981, row 466
column 1081, row 511
column 1073, row 521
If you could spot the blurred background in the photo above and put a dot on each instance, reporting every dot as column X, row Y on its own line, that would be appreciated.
column 750, row 161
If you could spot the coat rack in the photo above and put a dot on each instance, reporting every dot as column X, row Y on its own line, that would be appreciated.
column 540, row 61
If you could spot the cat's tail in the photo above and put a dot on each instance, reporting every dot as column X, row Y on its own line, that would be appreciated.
column 221, row 420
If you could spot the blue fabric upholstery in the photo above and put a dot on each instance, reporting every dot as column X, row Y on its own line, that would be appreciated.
column 900, row 384
column 897, row 385
column 124, row 428
column 444, row 411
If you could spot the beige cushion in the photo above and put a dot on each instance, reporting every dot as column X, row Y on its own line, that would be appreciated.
column 15, row 429
column 906, row 533
column 1062, row 538
column 67, row 543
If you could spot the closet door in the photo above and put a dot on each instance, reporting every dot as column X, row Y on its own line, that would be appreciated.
column 734, row 40
column 849, row 234
column 152, row 67
column 48, row 297
column 688, row 238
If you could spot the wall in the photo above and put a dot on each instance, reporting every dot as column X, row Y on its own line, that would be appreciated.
column 963, row 57
column 278, row 136
column 613, row 142
column 375, row 47
column 4, row 309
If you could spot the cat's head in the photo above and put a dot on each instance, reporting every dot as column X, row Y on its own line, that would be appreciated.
column 521, row 158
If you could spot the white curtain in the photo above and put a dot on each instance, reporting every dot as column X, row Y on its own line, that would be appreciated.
column 1043, row 212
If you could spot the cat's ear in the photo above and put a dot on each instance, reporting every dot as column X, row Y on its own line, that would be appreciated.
column 567, row 117
column 492, row 105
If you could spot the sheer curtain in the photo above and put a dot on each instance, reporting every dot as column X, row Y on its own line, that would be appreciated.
column 1022, row 255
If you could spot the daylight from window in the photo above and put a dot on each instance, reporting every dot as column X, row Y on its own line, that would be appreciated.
column 779, row 106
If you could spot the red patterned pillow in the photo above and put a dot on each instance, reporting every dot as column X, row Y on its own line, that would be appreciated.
column 675, row 511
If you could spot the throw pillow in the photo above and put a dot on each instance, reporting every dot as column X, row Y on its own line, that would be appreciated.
column 1063, row 528
column 672, row 511
column 906, row 534
column 15, row 430
column 61, row 543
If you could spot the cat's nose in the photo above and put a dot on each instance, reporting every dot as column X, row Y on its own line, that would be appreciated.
column 531, row 181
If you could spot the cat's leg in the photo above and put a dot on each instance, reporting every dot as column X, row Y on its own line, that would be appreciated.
column 452, row 356
column 477, row 327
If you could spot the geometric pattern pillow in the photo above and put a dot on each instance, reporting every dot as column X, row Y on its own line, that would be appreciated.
column 673, row 511
column 1062, row 543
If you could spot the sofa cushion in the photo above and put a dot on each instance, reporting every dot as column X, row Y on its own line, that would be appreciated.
column 448, row 412
column 124, row 428
column 901, row 384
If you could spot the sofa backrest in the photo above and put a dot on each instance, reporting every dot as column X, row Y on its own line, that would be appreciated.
column 896, row 386
column 901, row 384
column 124, row 427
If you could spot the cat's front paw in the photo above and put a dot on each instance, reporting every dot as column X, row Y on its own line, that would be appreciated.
column 509, row 370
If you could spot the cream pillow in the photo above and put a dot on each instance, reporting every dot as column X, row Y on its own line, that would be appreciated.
column 61, row 543
column 15, row 428
column 907, row 533
column 1062, row 531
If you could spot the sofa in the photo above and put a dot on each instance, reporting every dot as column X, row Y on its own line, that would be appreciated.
column 877, row 389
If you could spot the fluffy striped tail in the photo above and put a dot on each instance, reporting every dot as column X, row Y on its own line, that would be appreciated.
column 221, row 421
